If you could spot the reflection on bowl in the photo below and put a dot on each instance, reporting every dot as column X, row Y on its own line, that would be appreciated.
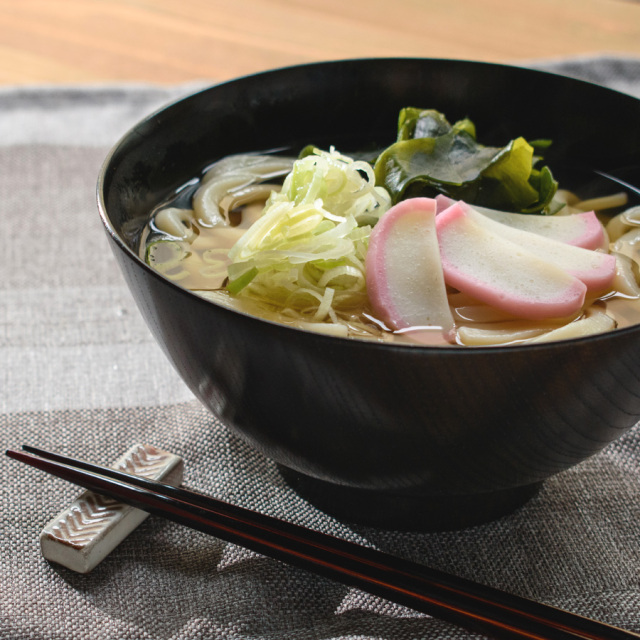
column 390, row 435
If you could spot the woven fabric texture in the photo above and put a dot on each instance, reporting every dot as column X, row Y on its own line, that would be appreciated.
column 81, row 374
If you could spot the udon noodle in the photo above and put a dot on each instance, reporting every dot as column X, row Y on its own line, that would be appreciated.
column 203, row 239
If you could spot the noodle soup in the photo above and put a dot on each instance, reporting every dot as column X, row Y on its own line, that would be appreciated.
column 303, row 242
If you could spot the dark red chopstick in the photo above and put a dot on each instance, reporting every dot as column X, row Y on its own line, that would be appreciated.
column 477, row 607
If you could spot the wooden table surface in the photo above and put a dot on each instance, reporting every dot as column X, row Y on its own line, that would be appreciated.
column 172, row 41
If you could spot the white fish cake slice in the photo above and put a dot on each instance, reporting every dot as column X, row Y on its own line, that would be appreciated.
column 578, row 229
column 501, row 273
column 405, row 282
column 596, row 269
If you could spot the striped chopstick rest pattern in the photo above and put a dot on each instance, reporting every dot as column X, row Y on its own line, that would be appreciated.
column 85, row 533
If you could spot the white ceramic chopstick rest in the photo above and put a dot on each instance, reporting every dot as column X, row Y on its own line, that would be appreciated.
column 83, row 535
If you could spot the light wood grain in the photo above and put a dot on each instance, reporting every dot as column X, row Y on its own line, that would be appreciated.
column 170, row 41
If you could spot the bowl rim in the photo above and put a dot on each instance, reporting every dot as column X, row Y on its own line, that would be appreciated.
column 362, row 342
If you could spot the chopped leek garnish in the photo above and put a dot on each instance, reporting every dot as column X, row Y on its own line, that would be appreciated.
column 166, row 257
column 306, row 252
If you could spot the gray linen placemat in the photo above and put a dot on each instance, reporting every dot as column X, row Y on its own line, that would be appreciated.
column 81, row 374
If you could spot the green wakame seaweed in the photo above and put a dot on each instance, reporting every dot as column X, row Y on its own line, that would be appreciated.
column 432, row 156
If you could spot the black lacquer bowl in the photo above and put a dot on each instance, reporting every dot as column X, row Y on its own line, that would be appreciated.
column 393, row 436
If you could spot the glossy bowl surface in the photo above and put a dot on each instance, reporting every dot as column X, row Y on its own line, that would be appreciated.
column 388, row 435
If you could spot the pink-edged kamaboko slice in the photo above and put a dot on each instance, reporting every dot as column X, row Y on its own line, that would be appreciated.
column 595, row 268
column 577, row 229
column 501, row 273
column 405, row 282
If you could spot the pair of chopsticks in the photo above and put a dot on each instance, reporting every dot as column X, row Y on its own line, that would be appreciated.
column 477, row 607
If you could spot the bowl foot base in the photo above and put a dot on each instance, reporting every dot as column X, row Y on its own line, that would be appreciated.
column 407, row 512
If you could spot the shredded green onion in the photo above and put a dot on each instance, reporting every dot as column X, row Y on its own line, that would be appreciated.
column 167, row 256
column 306, row 252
